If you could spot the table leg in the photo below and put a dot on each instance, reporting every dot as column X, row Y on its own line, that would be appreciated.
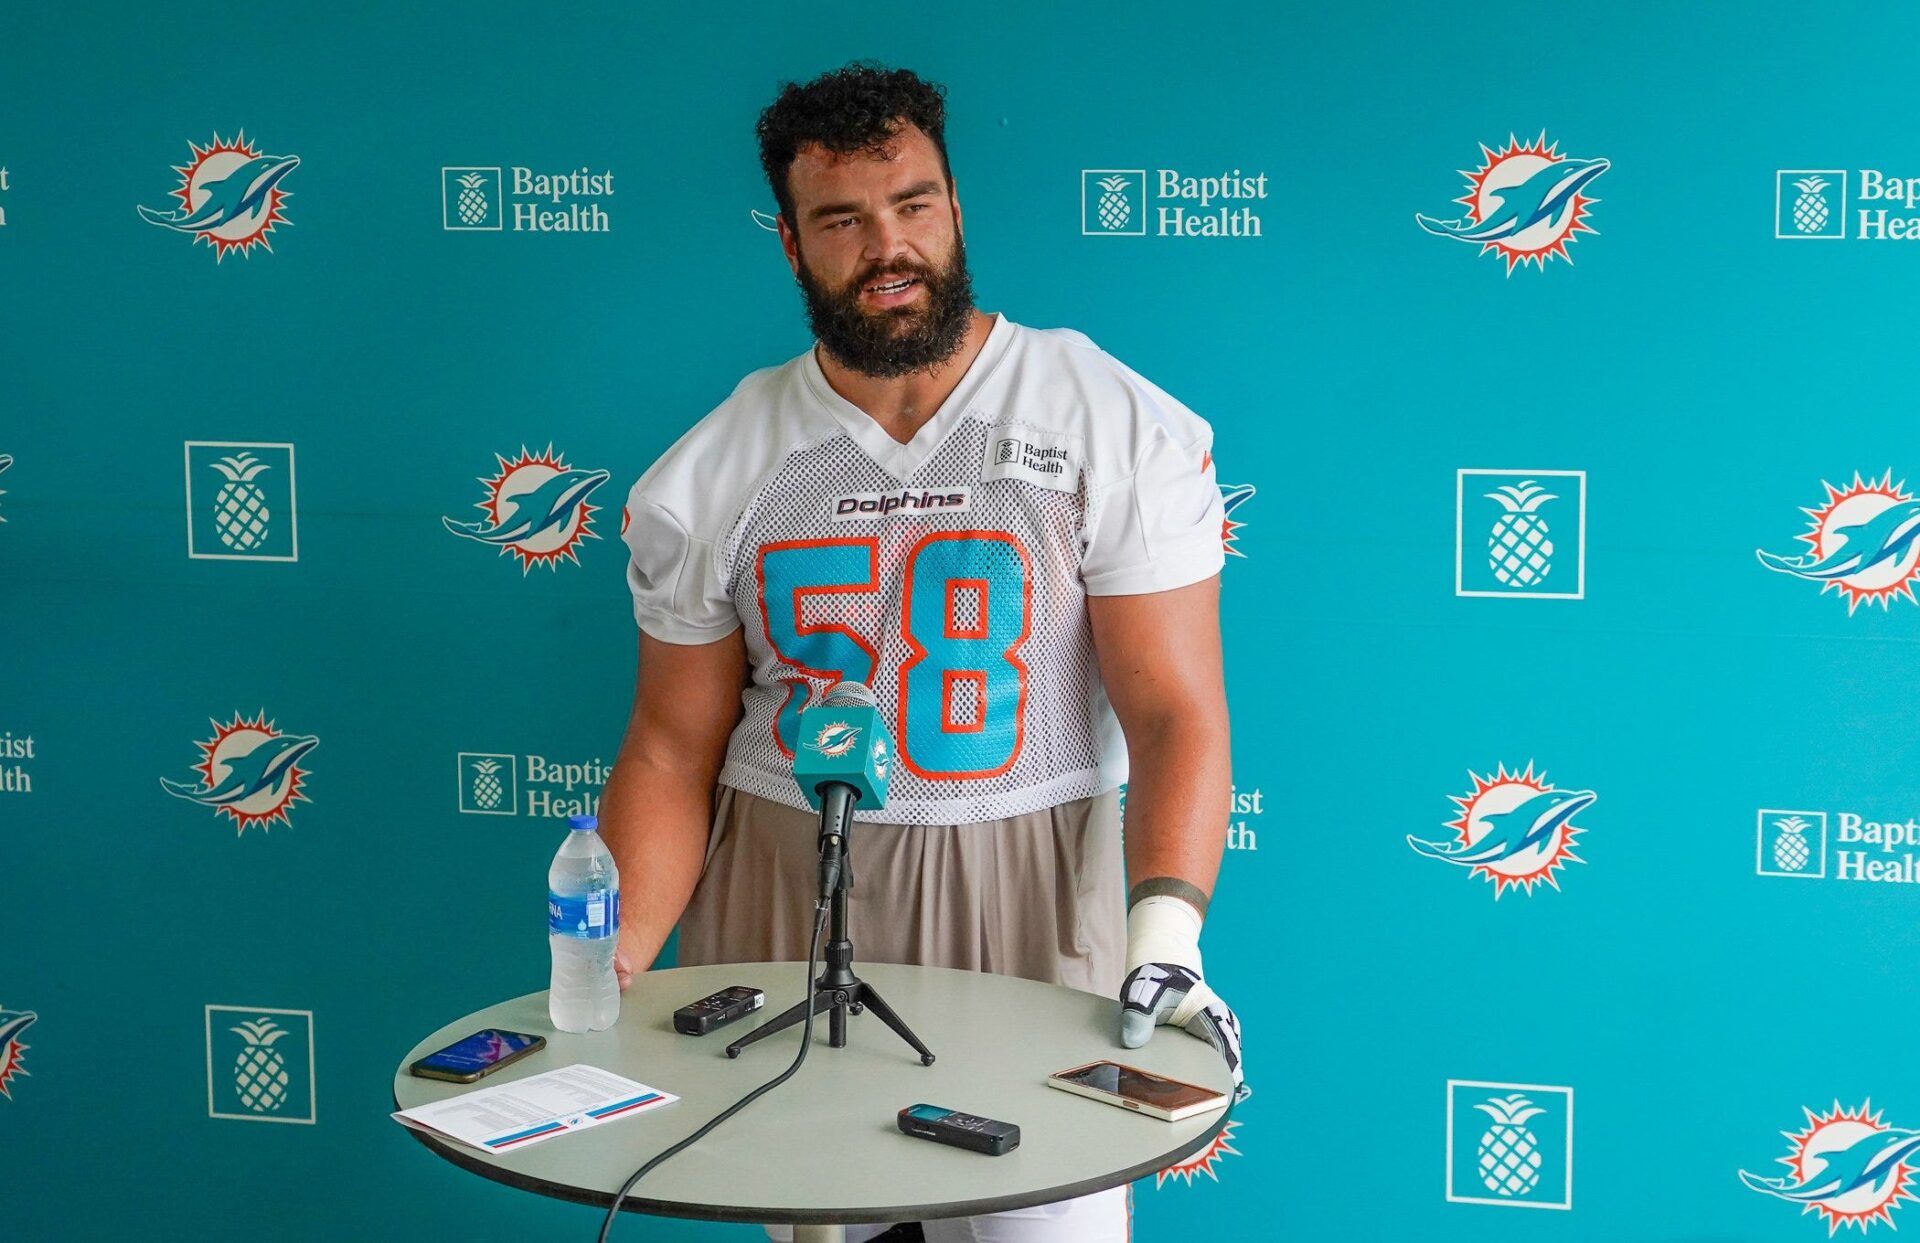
column 819, row 1234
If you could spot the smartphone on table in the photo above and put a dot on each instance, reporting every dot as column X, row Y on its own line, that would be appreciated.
column 1141, row 1091
column 482, row 1053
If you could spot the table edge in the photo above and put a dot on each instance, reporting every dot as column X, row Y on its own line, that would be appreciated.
column 474, row 1163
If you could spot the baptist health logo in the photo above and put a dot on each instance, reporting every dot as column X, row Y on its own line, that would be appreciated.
column 1797, row 844
column 241, row 503
column 491, row 785
column 480, row 200
column 1114, row 203
column 230, row 196
column 1810, row 204
column 1509, row 1144
column 1534, row 524
column 14, row 749
column 260, row 1064
column 1847, row 1165
column 536, row 509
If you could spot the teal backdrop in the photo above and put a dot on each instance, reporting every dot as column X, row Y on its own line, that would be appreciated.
column 1495, row 586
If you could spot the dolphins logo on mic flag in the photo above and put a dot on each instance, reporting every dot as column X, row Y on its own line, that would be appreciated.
column 1514, row 828
column 1847, row 1165
column 834, row 738
column 1863, row 543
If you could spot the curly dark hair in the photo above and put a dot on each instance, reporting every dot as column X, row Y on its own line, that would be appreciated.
column 858, row 107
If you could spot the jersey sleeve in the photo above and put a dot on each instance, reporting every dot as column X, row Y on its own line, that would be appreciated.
column 1161, row 526
column 677, row 593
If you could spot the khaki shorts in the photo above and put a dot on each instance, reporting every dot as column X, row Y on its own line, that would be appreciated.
column 1040, row 895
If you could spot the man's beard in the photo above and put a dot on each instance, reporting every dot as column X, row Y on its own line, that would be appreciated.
column 875, row 344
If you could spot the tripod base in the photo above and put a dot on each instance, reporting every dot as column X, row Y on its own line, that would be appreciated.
column 836, row 998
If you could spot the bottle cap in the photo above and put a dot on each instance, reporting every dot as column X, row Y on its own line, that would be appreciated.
column 583, row 824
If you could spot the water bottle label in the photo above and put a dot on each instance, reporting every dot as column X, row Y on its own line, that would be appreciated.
column 590, row 917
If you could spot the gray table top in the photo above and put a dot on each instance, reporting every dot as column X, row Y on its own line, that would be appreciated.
column 823, row 1147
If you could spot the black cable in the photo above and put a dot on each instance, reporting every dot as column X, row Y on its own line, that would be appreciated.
column 806, row 1042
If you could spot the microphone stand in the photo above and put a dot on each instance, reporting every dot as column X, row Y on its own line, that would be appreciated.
column 837, row 990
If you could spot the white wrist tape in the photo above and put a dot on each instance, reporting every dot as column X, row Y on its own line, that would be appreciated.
column 1163, row 928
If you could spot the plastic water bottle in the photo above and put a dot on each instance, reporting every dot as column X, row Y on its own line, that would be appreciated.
column 583, row 916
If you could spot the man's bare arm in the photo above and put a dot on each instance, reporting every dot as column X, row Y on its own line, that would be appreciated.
column 656, row 808
column 1159, row 657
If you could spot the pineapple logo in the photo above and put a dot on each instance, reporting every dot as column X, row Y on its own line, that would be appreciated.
column 1535, row 531
column 1113, row 202
column 259, row 1073
column 12, row 1024
column 470, row 200
column 240, row 510
column 1525, row 203
column 230, row 196
column 1848, row 1166
column 245, row 505
column 249, row 771
column 1863, row 543
column 260, row 1064
column 1810, row 203
column 1204, row 1161
column 488, row 784
column 536, row 509
column 1791, row 843
column 1514, row 828
column 1520, row 1153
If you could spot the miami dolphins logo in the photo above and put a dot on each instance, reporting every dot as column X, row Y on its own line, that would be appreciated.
column 1202, row 1162
column 536, row 509
column 229, row 194
column 1231, row 498
column 12, row 1024
column 249, row 771
column 835, row 738
column 1847, row 1166
column 1513, row 829
column 1863, row 543
column 1524, row 203
column 881, row 760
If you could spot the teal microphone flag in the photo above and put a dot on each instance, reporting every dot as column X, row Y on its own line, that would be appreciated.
column 843, row 739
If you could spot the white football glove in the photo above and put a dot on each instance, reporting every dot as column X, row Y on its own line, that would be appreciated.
column 1164, row 983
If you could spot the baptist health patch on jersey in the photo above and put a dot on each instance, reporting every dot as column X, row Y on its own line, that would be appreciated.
column 1050, row 459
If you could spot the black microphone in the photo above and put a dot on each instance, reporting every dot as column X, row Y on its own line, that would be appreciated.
column 843, row 759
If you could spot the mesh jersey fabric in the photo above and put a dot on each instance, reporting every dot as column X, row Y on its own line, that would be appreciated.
column 950, row 573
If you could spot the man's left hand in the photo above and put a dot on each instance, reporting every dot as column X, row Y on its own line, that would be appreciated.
column 1164, row 984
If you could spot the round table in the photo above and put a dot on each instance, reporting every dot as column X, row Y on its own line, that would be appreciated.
column 822, row 1149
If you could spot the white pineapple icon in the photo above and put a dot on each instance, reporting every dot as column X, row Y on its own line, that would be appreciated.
column 1113, row 208
column 1790, row 852
column 1519, row 552
column 486, row 784
column 1810, row 211
column 240, row 510
column 1509, row 1152
column 260, row 1073
column 472, row 203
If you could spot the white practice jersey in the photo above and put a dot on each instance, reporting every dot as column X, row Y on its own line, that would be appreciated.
column 949, row 574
